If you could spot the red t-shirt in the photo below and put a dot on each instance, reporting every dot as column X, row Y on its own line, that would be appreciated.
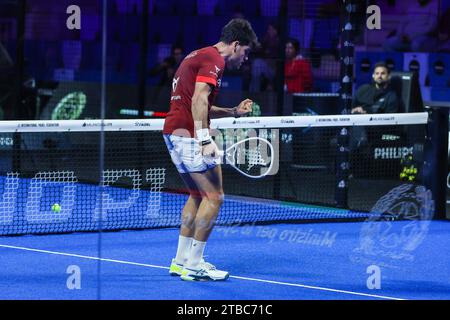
column 298, row 75
column 203, row 65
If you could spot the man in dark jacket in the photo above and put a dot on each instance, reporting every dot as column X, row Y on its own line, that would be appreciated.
column 378, row 96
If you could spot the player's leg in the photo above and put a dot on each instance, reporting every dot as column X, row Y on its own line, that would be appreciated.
column 182, row 153
column 209, row 184
column 187, row 228
column 188, row 215
column 198, row 217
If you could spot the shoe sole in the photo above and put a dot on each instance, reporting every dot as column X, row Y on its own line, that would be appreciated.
column 174, row 272
column 189, row 278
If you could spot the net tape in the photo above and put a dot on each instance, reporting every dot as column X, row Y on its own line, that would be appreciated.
column 224, row 123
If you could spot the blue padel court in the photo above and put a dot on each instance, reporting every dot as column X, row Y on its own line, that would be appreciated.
column 279, row 261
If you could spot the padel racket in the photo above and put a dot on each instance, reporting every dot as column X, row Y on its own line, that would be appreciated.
column 253, row 157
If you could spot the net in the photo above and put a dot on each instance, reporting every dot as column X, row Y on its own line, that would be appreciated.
column 325, row 167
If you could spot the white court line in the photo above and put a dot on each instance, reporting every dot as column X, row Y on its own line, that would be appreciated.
column 318, row 288
column 83, row 257
column 235, row 277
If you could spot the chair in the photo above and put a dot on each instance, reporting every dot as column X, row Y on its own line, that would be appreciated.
column 406, row 84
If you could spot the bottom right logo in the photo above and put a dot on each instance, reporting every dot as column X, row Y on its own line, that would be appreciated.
column 397, row 225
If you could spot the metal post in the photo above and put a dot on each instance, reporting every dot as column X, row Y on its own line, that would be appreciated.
column 436, row 159
column 346, row 78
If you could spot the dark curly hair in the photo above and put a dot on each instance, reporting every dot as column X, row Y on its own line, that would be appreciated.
column 239, row 30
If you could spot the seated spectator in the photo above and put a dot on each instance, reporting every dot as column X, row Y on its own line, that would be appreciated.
column 415, row 33
column 166, row 69
column 297, row 70
column 264, row 64
column 378, row 96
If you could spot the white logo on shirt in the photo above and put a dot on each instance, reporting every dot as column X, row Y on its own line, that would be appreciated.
column 175, row 83
column 217, row 71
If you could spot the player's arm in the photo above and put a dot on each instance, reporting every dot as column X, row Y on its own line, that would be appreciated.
column 242, row 109
column 199, row 106
column 199, row 109
column 220, row 112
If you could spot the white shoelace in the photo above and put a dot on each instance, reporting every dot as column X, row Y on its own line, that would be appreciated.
column 206, row 265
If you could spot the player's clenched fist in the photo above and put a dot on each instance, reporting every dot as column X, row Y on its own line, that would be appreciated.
column 244, row 107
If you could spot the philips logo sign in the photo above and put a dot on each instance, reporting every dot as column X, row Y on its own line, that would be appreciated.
column 392, row 153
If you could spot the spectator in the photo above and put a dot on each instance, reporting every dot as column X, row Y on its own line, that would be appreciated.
column 168, row 67
column 264, row 65
column 378, row 96
column 415, row 33
column 297, row 70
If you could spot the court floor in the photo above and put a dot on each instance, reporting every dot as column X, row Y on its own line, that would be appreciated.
column 323, row 261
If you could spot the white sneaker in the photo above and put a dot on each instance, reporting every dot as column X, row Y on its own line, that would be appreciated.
column 175, row 268
column 205, row 272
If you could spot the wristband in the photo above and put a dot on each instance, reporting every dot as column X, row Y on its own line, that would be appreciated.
column 206, row 142
column 203, row 135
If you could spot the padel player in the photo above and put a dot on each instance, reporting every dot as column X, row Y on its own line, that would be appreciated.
column 193, row 151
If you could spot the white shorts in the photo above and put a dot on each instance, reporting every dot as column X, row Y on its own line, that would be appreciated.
column 187, row 156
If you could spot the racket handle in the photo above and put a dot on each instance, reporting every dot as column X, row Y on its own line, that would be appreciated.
column 214, row 159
